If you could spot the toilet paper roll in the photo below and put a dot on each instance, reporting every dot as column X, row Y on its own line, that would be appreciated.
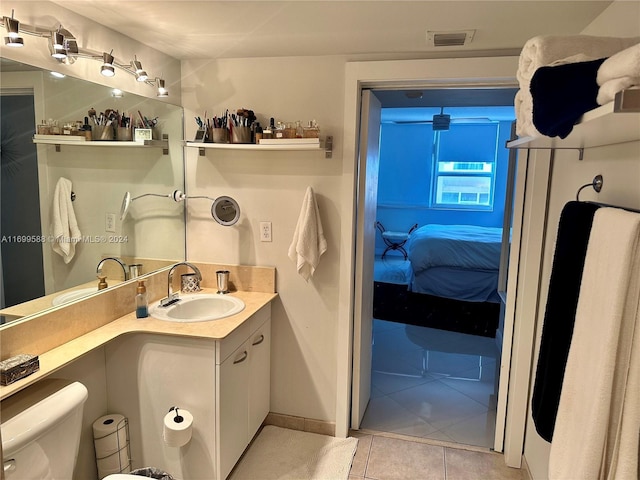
column 115, row 463
column 109, row 434
column 178, row 427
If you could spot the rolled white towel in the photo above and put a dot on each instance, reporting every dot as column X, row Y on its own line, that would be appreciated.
column 608, row 90
column 622, row 64
column 523, row 103
column 544, row 50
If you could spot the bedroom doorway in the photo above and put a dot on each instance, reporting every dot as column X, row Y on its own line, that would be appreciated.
column 428, row 379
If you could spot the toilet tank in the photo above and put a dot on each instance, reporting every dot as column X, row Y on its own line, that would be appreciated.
column 40, row 429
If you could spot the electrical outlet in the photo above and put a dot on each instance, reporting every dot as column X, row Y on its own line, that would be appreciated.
column 110, row 223
column 265, row 231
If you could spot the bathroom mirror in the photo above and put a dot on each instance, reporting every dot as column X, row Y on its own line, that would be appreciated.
column 33, row 274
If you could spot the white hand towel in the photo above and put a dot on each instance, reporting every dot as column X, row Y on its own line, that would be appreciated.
column 308, row 242
column 64, row 227
column 596, row 431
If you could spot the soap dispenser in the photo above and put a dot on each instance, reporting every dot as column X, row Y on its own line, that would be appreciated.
column 102, row 282
column 142, row 305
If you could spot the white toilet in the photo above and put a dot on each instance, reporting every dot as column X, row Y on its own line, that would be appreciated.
column 145, row 473
column 40, row 429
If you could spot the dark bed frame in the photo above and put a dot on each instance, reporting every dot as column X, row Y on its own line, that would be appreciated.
column 395, row 303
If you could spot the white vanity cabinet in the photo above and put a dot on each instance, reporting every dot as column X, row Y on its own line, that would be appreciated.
column 224, row 383
column 243, row 388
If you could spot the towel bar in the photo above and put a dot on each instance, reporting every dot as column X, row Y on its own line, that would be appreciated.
column 597, row 186
column 597, row 182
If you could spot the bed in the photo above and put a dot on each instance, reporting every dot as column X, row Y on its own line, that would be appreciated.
column 459, row 262
column 453, row 281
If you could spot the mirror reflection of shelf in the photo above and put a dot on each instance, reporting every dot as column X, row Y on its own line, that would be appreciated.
column 282, row 145
column 58, row 142
column 610, row 124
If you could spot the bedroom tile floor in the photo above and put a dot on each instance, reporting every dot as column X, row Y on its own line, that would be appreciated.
column 453, row 401
column 380, row 457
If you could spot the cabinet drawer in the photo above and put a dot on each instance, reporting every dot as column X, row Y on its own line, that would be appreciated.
column 242, row 333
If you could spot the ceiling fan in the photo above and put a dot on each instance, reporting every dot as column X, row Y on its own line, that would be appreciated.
column 442, row 121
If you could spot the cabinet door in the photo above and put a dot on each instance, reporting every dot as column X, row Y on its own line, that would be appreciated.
column 233, row 390
column 259, row 377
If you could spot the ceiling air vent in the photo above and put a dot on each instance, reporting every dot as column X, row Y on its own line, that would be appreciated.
column 450, row 39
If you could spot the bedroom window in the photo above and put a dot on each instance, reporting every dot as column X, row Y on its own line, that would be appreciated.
column 464, row 183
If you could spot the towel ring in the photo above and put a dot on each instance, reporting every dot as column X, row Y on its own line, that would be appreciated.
column 596, row 184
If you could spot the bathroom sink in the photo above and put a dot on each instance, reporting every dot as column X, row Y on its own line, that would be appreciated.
column 73, row 295
column 198, row 307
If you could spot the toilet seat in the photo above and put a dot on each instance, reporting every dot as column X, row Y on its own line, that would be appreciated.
column 123, row 476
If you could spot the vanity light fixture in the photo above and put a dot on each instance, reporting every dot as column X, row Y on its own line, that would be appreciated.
column 162, row 91
column 13, row 38
column 63, row 46
column 107, row 69
column 138, row 71
column 56, row 45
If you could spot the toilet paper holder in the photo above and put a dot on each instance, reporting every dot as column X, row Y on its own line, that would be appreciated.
column 112, row 445
column 177, row 427
column 178, row 418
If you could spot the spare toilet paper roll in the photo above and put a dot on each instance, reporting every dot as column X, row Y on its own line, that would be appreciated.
column 178, row 427
column 117, row 462
column 109, row 434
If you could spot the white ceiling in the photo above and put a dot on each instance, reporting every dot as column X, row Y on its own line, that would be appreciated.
column 359, row 29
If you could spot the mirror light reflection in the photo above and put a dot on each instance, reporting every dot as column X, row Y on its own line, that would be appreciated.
column 33, row 274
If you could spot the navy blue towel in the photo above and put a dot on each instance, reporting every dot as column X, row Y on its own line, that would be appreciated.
column 562, row 301
column 562, row 94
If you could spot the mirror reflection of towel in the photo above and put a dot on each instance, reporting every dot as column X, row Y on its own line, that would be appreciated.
column 308, row 242
column 64, row 227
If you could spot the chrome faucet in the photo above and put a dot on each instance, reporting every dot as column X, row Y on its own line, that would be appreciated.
column 122, row 264
column 173, row 297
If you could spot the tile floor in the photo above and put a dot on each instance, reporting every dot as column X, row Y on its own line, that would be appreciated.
column 422, row 387
column 381, row 457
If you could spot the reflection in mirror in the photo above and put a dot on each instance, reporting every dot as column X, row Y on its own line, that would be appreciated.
column 36, row 177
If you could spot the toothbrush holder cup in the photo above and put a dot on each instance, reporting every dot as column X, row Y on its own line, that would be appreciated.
column 102, row 132
column 189, row 283
column 222, row 278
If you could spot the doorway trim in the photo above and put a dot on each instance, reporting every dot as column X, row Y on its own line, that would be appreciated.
column 442, row 73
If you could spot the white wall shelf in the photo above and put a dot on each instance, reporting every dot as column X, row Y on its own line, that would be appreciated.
column 327, row 147
column 610, row 124
column 164, row 143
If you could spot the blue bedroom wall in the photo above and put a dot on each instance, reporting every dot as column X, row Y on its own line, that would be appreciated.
column 404, row 179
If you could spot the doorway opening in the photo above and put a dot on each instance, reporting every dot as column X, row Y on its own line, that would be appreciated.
column 444, row 197
column 21, row 232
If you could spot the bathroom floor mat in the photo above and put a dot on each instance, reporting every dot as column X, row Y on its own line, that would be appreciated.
column 280, row 453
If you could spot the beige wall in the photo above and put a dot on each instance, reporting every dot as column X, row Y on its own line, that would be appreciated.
column 270, row 186
column 620, row 167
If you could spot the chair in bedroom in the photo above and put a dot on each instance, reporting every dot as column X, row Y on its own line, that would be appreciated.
column 394, row 240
